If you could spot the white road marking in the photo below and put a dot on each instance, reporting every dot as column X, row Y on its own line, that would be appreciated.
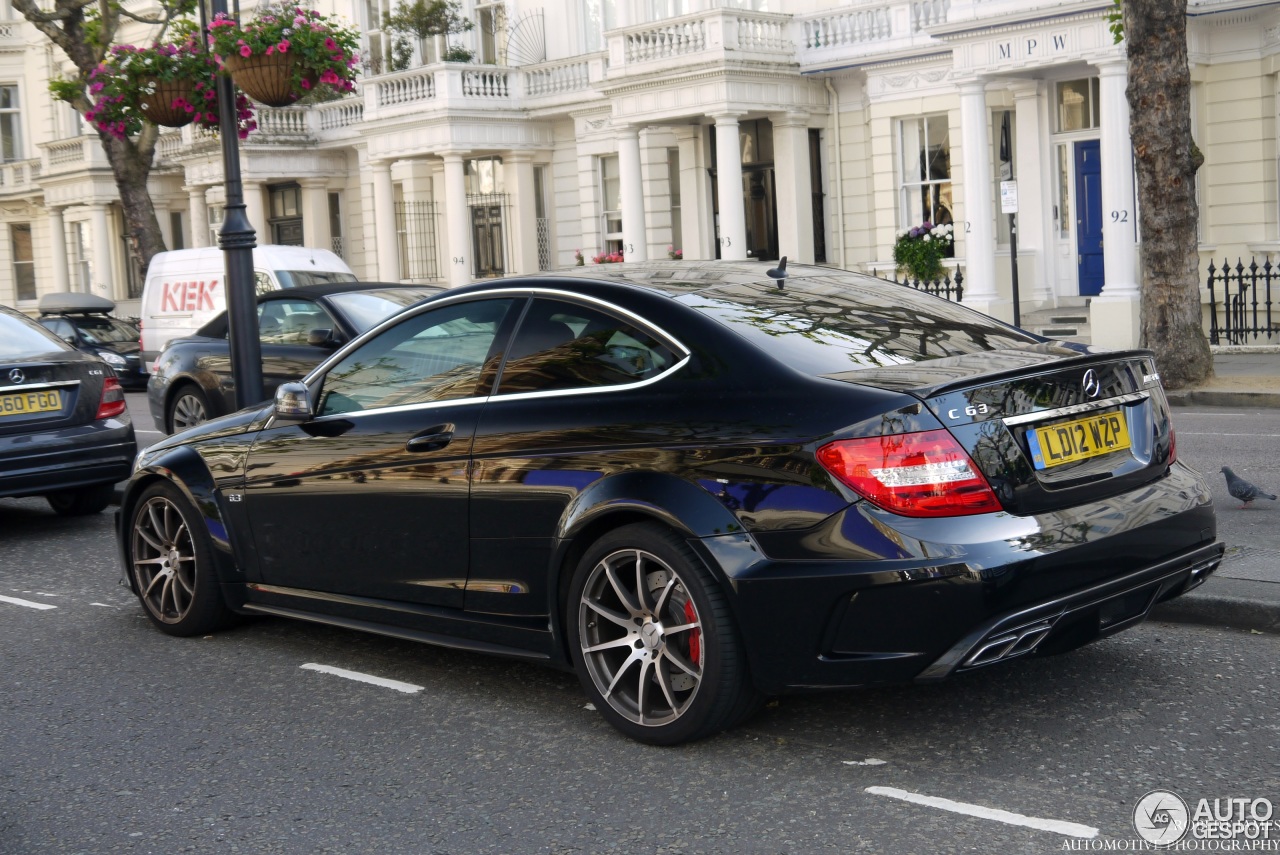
column 407, row 688
column 1070, row 829
column 870, row 761
column 105, row 605
column 17, row 602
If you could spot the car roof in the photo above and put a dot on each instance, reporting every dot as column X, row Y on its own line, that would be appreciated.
column 685, row 277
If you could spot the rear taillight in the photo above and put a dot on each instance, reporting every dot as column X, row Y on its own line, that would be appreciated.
column 112, row 402
column 1173, row 445
column 923, row 474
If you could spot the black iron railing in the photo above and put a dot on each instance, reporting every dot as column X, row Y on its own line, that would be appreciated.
column 949, row 287
column 1240, row 304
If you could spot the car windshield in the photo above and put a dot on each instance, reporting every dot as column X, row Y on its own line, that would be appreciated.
column 298, row 278
column 21, row 339
column 826, row 325
column 103, row 330
column 364, row 309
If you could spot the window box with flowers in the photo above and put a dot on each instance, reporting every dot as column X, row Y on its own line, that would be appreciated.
column 607, row 258
column 285, row 52
column 165, row 84
column 919, row 251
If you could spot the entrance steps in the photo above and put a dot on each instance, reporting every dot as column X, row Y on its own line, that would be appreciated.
column 1069, row 320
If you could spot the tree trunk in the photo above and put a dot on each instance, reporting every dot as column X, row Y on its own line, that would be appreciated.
column 131, row 168
column 1159, row 95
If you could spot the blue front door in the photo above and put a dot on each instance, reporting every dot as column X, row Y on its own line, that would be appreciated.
column 1089, row 217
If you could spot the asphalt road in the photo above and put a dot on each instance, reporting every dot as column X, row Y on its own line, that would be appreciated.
column 118, row 738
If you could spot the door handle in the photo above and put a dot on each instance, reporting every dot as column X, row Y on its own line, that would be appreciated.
column 431, row 439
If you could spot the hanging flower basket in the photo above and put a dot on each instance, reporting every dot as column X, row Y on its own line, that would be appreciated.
column 269, row 78
column 167, row 102
column 284, row 53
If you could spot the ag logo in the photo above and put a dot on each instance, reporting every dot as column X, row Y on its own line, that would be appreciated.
column 1161, row 817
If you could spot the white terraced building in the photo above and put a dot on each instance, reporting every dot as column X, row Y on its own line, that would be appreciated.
column 721, row 128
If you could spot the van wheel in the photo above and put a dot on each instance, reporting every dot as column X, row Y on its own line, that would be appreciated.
column 188, row 408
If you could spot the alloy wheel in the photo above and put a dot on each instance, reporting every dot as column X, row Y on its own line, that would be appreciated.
column 188, row 411
column 164, row 560
column 641, row 637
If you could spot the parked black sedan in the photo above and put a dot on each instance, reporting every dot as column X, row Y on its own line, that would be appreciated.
column 191, row 381
column 693, row 483
column 84, row 321
column 64, row 431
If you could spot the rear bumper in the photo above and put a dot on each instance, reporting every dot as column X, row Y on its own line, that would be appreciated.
column 980, row 590
column 79, row 456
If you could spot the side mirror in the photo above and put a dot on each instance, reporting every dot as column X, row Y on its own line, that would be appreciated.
column 293, row 402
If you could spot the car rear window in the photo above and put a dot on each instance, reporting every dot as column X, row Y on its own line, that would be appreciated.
column 298, row 278
column 20, row 338
column 364, row 309
column 822, row 325
column 100, row 330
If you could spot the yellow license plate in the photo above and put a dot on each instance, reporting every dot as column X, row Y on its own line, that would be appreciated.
column 24, row 403
column 1078, row 439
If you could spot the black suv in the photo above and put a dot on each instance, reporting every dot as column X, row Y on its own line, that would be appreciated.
column 84, row 322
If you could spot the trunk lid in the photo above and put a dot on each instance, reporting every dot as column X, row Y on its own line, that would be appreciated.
column 1049, row 427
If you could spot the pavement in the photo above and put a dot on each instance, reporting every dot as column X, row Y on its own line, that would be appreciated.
column 1243, row 593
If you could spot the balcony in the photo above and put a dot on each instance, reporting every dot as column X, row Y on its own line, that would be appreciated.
column 870, row 30
column 19, row 176
column 712, row 36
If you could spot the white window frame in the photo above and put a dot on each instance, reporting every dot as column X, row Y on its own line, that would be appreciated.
column 910, row 183
column 13, row 114
column 611, row 238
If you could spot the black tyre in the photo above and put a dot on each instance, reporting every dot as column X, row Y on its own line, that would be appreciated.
column 187, row 408
column 170, row 558
column 653, row 640
column 81, row 501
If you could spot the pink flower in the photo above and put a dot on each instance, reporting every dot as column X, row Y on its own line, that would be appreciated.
column 306, row 84
column 246, row 51
column 271, row 49
column 283, row 47
column 330, row 44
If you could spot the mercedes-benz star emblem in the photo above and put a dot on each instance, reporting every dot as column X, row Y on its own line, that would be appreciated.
column 1092, row 385
column 16, row 376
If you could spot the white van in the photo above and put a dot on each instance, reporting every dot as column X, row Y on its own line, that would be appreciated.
column 185, row 289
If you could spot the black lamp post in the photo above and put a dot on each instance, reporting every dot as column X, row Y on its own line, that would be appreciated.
column 237, row 239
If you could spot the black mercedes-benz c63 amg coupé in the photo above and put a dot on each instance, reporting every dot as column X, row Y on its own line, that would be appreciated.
column 695, row 484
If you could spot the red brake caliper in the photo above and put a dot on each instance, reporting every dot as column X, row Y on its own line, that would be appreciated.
column 695, row 635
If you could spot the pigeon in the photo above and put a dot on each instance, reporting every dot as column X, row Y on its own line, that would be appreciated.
column 1242, row 489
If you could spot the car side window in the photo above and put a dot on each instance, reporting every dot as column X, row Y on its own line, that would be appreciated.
column 438, row 355
column 290, row 321
column 262, row 283
column 562, row 345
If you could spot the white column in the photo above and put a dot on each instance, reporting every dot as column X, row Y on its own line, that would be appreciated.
column 384, row 222
column 58, row 240
column 978, row 227
column 635, row 240
column 693, row 200
column 198, row 214
column 733, row 216
column 793, row 185
column 458, row 261
column 1115, row 316
column 255, row 209
column 165, row 222
column 524, row 208
column 1033, row 174
column 102, row 281
column 315, row 214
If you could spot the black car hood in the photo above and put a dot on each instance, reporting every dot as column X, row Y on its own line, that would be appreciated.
column 121, row 347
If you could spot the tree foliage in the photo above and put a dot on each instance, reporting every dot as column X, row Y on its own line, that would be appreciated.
column 424, row 19
column 85, row 30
